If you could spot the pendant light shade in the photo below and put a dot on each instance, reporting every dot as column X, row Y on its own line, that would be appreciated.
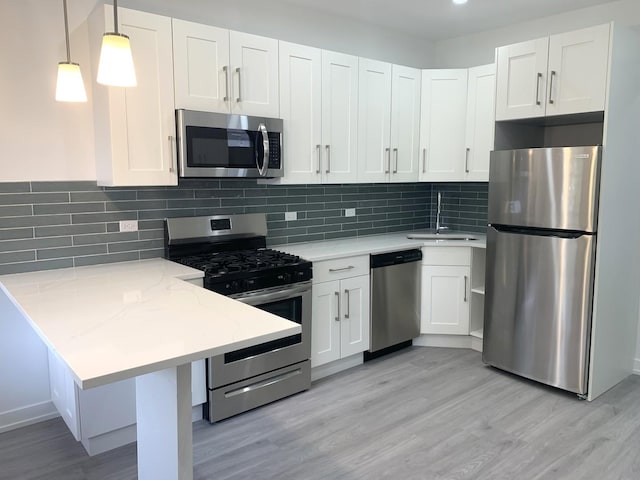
column 69, row 86
column 116, row 61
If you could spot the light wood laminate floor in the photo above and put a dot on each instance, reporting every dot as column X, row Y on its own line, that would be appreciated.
column 423, row 413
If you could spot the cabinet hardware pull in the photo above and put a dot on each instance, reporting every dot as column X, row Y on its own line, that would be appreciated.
column 225, row 69
column 171, row 168
column 348, row 310
column 538, row 78
column 238, row 98
column 318, row 147
column 328, row 149
column 553, row 74
column 466, row 280
column 395, row 152
column 333, row 270
column 466, row 160
column 424, row 160
column 388, row 152
column 338, row 305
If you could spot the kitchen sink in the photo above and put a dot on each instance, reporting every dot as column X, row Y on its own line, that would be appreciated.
column 445, row 237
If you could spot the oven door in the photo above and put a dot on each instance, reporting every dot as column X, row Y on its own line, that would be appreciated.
column 292, row 302
column 223, row 145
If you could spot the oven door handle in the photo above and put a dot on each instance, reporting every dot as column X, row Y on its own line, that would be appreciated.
column 261, row 297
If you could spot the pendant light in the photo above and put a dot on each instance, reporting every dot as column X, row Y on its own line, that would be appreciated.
column 69, row 86
column 116, row 62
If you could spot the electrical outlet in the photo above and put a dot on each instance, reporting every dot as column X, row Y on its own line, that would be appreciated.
column 128, row 225
column 349, row 212
column 289, row 216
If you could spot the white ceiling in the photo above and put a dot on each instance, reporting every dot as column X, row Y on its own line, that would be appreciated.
column 441, row 19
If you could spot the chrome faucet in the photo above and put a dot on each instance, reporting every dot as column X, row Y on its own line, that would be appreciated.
column 438, row 226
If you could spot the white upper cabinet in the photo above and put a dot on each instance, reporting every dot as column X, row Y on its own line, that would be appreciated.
column 254, row 70
column 556, row 75
column 389, row 116
column 301, row 112
column 374, row 136
column 135, row 127
column 578, row 65
column 318, row 104
column 201, row 64
column 480, row 122
column 339, row 117
column 218, row 70
column 405, row 123
column 442, row 126
column 521, row 83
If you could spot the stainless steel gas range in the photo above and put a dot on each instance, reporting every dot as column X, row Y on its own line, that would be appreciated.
column 231, row 250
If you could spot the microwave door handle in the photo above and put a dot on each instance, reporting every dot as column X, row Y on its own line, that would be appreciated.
column 262, row 169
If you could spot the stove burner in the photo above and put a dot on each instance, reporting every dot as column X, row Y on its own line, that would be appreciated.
column 222, row 263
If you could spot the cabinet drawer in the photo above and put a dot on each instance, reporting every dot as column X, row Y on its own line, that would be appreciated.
column 340, row 268
column 446, row 256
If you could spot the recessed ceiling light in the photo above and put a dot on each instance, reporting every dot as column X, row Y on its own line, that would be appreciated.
column 459, row 2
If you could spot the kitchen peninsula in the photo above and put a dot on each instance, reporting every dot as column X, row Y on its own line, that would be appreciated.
column 140, row 319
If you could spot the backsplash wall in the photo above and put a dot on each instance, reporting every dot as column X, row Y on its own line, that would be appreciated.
column 48, row 225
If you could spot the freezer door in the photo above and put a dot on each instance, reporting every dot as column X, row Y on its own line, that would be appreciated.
column 538, row 306
column 554, row 188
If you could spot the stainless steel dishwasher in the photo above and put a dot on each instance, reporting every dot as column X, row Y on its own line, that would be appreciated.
column 395, row 298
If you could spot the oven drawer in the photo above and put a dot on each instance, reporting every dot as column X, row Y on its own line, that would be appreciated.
column 340, row 268
column 257, row 391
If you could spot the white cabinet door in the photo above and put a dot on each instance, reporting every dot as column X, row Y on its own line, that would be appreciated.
column 445, row 300
column 339, row 117
column 354, row 321
column 374, row 121
column 301, row 112
column 325, row 324
column 480, row 122
column 201, row 67
column 578, row 65
column 135, row 127
column 522, row 80
column 442, row 126
column 254, row 75
column 405, row 123
column 63, row 393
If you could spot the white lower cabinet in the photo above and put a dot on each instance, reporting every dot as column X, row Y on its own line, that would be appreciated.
column 446, row 291
column 340, row 310
column 104, row 417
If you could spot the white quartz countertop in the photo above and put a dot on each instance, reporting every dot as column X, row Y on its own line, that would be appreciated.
column 371, row 244
column 116, row 321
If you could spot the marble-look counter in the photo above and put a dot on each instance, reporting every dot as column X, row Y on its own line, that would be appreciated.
column 116, row 321
column 349, row 247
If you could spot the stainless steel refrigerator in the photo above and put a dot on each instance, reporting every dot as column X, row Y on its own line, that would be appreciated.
column 541, row 244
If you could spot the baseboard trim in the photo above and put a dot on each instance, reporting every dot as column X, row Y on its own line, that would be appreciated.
column 636, row 366
column 336, row 366
column 444, row 341
column 23, row 416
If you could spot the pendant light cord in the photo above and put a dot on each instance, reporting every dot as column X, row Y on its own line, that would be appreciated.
column 115, row 15
column 66, row 29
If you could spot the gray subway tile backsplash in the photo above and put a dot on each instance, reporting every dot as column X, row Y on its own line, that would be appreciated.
column 46, row 225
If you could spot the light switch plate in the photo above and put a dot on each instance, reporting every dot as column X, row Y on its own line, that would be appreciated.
column 128, row 225
column 349, row 212
column 289, row 216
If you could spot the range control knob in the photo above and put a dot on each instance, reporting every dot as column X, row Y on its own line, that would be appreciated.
column 284, row 277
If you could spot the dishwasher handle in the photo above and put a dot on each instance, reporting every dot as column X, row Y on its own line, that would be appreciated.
column 395, row 258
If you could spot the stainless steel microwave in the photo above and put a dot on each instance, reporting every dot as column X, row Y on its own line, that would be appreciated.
column 225, row 145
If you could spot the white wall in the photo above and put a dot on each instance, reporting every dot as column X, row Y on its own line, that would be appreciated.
column 42, row 139
column 479, row 49
column 24, row 384
column 46, row 140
